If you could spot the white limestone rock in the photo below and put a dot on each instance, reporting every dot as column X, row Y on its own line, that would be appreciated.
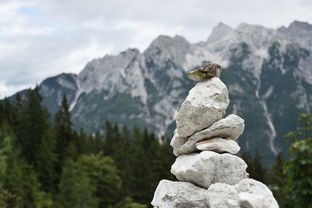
column 248, row 193
column 250, row 200
column 207, row 167
column 205, row 104
column 221, row 195
column 171, row 194
column 176, row 142
column 219, row 145
column 230, row 127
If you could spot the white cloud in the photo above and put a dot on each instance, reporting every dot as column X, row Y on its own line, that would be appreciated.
column 43, row 38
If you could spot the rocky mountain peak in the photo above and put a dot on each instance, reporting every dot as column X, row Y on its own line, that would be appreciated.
column 220, row 32
column 145, row 89
column 165, row 41
column 300, row 25
column 130, row 52
column 300, row 32
column 256, row 35
column 166, row 47
column 107, row 70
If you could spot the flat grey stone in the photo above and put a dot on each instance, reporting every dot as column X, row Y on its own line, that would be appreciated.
column 230, row 127
column 218, row 145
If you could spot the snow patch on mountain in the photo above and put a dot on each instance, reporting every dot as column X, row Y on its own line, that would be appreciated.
column 77, row 95
column 272, row 133
column 268, row 93
column 65, row 83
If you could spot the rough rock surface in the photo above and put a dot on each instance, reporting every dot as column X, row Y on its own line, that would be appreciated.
column 205, row 104
column 207, row 167
column 205, row 72
column 248, row 193
column 171, row 194
column 219, row 145
column 176, row 142
column 230, row 127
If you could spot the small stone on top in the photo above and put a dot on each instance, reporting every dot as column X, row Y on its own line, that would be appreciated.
column 205, row 72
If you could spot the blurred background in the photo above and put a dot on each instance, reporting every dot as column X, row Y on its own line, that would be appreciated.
column 89, row 91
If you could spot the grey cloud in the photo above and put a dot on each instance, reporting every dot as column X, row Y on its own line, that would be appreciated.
column 45, row 38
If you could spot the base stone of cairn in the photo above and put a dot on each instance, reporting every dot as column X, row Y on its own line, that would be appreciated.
column 248, row 193
column 171, row 194
column 209, row 174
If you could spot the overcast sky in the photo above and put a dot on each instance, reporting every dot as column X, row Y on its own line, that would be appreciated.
column 41, row 38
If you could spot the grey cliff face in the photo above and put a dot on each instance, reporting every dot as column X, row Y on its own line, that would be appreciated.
column 147, row 88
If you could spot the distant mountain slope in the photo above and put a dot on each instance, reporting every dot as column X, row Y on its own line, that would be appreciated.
column 268, row 73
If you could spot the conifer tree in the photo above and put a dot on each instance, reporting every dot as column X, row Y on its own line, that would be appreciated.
column 32, row 124
column 76, row 190
column 8, row 112
column 254, row 166
column 298, row 171
column 258, row 171
column 275, row 176
column 6, row 148
column 46, row 161
column 18, row 101
column 65, row 148
column 36, row 139
column 103, row 175
column 21, row 180
column 117, row 146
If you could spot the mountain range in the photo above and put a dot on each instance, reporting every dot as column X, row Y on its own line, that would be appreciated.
column 268, row 73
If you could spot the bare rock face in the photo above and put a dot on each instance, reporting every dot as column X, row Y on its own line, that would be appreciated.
column 248, row 193
column 221, row 195
column 219, row 145
column 176, row 142
column 230, row 127
column 207, row 167
column 171, row 194
column 205, row 104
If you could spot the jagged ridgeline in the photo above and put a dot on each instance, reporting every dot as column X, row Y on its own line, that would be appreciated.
column 268, row 73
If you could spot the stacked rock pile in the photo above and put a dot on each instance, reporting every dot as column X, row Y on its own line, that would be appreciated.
column 208, row 172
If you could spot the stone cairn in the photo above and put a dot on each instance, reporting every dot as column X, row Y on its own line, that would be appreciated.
column 208, row 172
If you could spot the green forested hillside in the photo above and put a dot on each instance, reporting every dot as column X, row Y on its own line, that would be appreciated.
column 47, row 164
